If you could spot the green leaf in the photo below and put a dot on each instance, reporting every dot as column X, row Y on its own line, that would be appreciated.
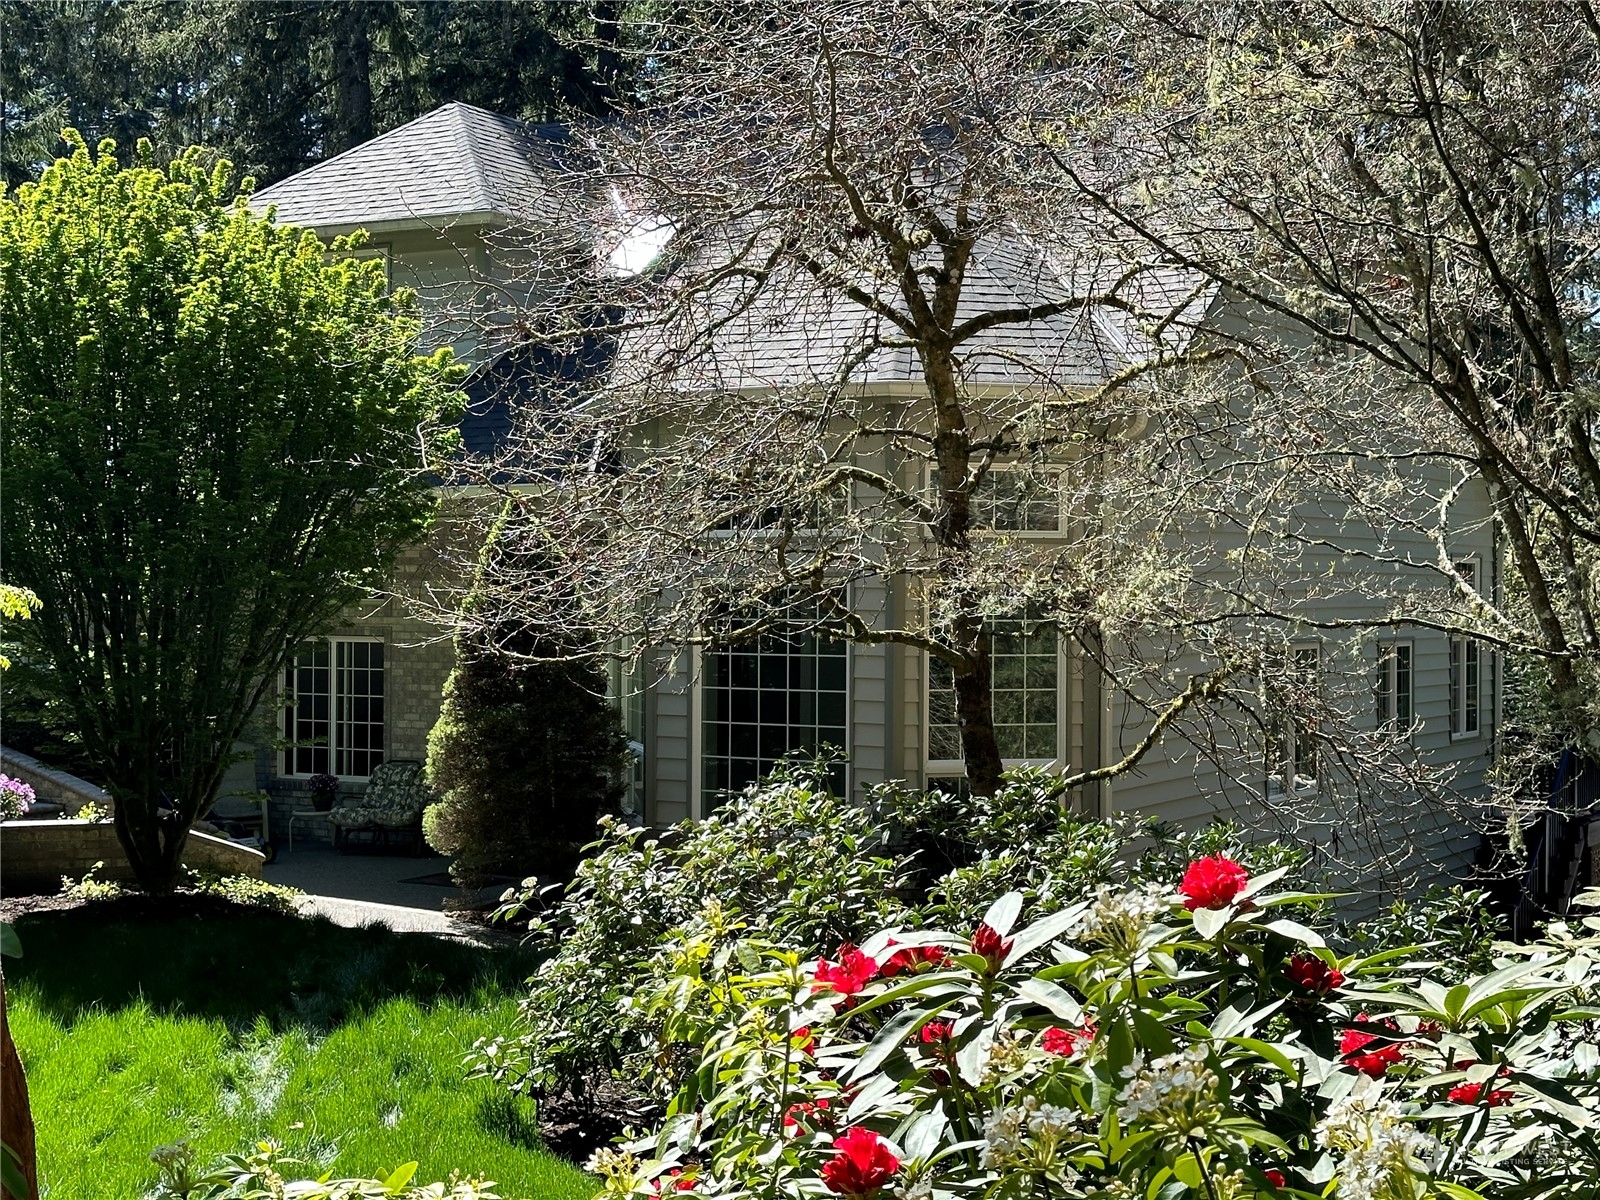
column 10, row 943
column 1045, row 930
column 11, row 1176
column 1271, row 1051
column 1209, row 922
column 397, row 1179
column 1003, row 913
column 1296, row 932
column 890, row 1037
column 1053, row 997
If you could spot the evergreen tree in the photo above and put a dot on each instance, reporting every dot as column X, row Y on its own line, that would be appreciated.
column 527, row 752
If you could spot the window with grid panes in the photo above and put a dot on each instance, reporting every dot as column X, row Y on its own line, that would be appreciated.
column 1466, row 672
column 777, row 695
column 334, row 708
column 1026, row 695
column 1291, row 736
column 1391, row 686
column 1012, row 499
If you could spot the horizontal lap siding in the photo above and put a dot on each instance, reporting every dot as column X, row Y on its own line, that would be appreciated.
column 671, row 742
column 869, row 694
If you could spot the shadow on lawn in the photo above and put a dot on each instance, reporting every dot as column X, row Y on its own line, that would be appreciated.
column 199, row 957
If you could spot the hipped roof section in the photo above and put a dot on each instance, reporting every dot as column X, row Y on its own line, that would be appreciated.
column 457, row 164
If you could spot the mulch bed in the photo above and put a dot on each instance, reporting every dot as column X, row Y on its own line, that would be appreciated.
column 128, row 908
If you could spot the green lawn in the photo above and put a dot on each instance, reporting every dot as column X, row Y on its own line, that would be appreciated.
column 344, row 1045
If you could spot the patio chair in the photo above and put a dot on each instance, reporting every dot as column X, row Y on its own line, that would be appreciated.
column 389, row 812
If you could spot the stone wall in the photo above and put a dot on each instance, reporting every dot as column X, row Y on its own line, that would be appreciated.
column 49, row 784
column 34, row 855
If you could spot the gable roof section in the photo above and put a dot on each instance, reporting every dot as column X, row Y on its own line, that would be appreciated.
column 455, row 162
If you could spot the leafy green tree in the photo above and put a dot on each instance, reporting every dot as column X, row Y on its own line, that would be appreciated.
column 213, row 437
column 527, row 752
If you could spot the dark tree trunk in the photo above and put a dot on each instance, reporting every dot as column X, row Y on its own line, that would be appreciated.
column 975, row 716
column 153, row 843
column 16, row 1118
column 352, row 77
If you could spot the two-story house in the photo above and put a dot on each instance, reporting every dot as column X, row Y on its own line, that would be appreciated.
column 437, row 199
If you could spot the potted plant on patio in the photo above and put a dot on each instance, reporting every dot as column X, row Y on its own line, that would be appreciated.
column 324, row 789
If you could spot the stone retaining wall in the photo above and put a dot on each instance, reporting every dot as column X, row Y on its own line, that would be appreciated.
column 48, row 783
column 34, row 855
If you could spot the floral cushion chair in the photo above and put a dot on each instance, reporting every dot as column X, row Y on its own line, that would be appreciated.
column 390, row 810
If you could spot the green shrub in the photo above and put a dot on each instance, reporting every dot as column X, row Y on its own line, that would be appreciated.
column 788, row 858
column 1455, row 923
column 265, row 1173
column 525, row 755
column 1148, row 1041
column 244, row 889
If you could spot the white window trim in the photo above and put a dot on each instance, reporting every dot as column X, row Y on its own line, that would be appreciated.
column 333, row 750
column 1452, row 713
column 1384, row 648
column 957, row 768
column 1061, row 530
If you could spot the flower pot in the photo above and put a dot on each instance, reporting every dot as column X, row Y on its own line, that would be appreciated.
column 322, row 801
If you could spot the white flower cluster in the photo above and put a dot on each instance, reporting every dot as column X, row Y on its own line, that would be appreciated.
column 1381, row 1152
column 1119, row 918
column 1007, row 1130
column 1178, row 1090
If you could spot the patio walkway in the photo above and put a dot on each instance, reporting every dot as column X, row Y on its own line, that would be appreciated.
column 406, row 894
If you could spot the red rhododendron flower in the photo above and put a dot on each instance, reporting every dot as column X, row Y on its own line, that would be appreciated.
column 679, row 1181
column 863, row 1164
column 802, row 1040
column 1310, row 972
column 1275, row 1177
column 908, row 960
column 988, row 943
column 808, row 1111
column 936, row 1033
column 1471, row 1093
column 1212, row 882
column 853, row 972
column 1353, row 1045
column 1067, row 1042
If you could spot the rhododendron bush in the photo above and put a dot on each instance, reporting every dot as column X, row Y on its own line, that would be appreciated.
column 1146, row 1041
column 652, row 921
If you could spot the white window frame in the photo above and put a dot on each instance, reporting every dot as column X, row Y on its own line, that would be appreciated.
column 1464, row 679
column 933, row 768
column 1386, row 690
column 1060, row 470
column 286, row 706
column 1284, row 738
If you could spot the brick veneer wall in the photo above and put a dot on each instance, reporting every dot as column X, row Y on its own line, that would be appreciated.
column 34, row 855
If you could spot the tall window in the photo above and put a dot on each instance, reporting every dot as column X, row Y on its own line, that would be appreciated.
column 333, row 717
column 1391, row 686
column 1291, row 732
column 1026, row 692
column 780, row 694
column 1466, row 671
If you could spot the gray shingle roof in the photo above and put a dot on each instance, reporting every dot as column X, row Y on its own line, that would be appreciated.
column 797, row 333
column 453, row 162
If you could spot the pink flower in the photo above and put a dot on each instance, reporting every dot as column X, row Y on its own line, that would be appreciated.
column 988, row 943
column 1275, row 1177
column 1311, row 973
column 1067, row 1042
column 936, row 1034
column 679, row 1181
column 1353, row 1050
column 853, row 972
column 1212, row 882
column 802, row 1040
column 863, row 1164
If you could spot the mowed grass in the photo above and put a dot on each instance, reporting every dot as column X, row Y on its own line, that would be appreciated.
column 344, row 1045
